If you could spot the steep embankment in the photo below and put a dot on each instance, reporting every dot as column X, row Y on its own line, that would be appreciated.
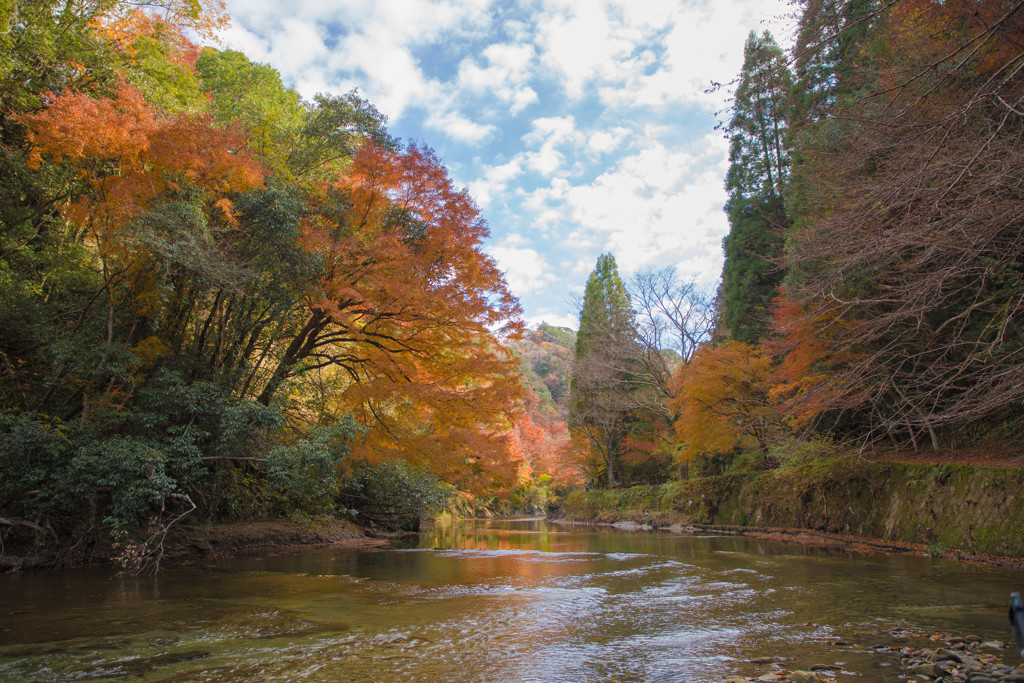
column 950, row 509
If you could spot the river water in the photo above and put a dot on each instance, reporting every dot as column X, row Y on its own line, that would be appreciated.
column 497, row 601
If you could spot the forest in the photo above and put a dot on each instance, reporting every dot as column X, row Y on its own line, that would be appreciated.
column 871, row 296
column 220, row 301
column 223, row 301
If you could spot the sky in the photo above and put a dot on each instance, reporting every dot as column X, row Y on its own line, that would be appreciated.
column 578, row 126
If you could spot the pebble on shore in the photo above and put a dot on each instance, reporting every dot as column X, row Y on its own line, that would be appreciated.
column 961, row 660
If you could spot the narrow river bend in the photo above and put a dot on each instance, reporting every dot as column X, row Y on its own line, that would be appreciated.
column 502, row 601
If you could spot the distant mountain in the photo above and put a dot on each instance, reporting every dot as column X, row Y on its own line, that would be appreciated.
column 546, row 356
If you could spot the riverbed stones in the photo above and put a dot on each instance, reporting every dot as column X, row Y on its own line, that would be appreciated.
column 930, row 669
column 961, row 660
column 944, row 655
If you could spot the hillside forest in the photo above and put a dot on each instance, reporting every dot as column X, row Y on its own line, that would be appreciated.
column 871, row 296
column 220, row 301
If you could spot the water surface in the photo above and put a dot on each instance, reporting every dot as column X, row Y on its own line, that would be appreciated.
column 496, row 601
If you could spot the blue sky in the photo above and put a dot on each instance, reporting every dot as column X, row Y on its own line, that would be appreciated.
column 579, row 126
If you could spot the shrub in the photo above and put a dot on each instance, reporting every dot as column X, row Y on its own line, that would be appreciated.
column 393, row 495
column 304, row 473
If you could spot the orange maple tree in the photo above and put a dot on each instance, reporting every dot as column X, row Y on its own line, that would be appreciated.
column 412, row 310
column 723, row 399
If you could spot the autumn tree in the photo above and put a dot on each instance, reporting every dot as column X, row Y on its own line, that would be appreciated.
column 913, row 243
column 723, row 400
column 215, row 296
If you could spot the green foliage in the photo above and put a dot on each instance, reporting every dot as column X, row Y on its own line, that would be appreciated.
column 124, row 478
column 40, row 40
column 160, row 77
column 750, row 274
column 34, row 449
column 606, row 313
column 179, row 240
column 531, row 497
column 604, row 367
column 332, row 130
column 305, row 472
column 757, row 179
column 393, row 495
column 253, row 96
column 562, row 336
column 51, row 470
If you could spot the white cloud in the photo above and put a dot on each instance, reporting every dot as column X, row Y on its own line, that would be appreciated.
column 505, row 76
column 495, row 181
column 613, row 164
column 373, row 50
column 551, row 316
column 525, row 269
column 581, row 42
column 604, row 141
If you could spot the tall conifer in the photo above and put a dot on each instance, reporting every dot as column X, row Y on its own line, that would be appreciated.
column 601, row 387
column 757, row 178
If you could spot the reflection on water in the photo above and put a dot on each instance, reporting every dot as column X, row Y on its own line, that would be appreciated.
column 494, row 601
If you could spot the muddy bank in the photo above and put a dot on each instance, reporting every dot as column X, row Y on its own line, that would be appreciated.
column 192, row 542
column 189, row 543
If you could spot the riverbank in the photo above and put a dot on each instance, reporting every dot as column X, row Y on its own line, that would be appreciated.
column 189, row 543
column 194, row 542
column 938, row 657
column 961, row 512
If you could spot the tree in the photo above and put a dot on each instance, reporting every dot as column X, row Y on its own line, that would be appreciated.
column 758, row 173
column 724, row 399
column 604, row 366
column 215, row 296
column 829, row 55
column 914, row 241
column 672, row 315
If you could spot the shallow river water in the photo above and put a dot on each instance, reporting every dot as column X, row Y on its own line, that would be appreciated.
column 496, row 601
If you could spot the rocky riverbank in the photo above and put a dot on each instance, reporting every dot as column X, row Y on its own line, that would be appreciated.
column 945, row 659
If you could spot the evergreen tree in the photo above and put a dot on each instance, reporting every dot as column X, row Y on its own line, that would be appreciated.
column 757, row 177
column 604, row 364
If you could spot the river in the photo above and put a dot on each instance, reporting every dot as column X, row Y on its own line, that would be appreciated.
column 496, row 601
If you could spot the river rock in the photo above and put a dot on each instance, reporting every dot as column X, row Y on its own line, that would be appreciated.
column 826, row 667
column 772, row 678
column 992, row 645
column 982, row 679
column 971, row 663
column 735, row 679
column 764, row 660
column 930, row 670
column 1016, row 676
column 944, row 655
column 803, row 677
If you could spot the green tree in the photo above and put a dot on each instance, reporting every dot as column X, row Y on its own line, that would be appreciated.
column 253, row 96
column 603, row 367
column 756, row 181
